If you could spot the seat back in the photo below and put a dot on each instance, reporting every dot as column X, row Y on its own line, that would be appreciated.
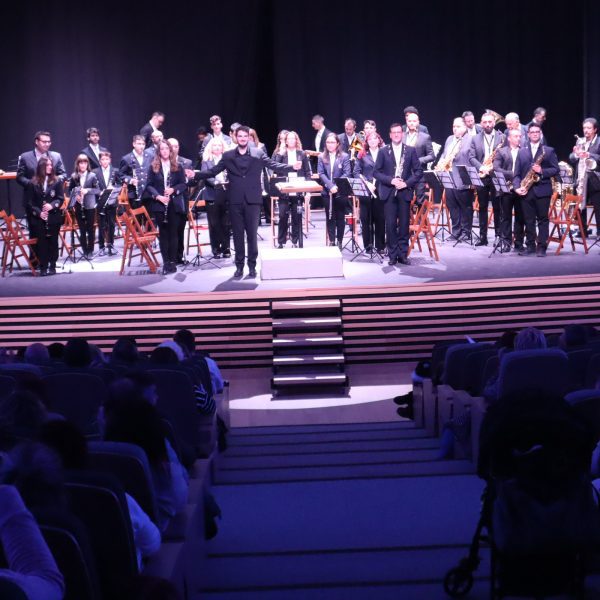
column 99, row 502
column 474, row 370
column 438, row 356
column 593, row 371
column 77, row 396
column 454, row 364
column 129, row 464
column 7, row 385
column 578, row 363
column 544, row 370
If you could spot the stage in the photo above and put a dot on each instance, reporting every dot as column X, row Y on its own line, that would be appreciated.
column 389, row 314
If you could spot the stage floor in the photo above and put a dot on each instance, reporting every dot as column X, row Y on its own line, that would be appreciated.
column 457, row 263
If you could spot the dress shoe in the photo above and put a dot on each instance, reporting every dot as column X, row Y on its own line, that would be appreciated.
column 404, row 260
column 392, row 262
column 482, row 241
column 280, row 246
column 526, row 251
column 339, row 245
column 238, row 272
column 505, row 247
column 252, row 274
column 227, row 254
column 332, row 243
column 406, row 412
column 43, row 272
column 102, row 251
column 52, row 270
column 216, row 255
column 111, row 250
column 517, row 248
column 540, row 251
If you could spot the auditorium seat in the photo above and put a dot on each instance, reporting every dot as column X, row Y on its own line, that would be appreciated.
column 7, row 386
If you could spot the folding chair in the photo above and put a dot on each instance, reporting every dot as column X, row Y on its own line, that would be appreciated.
column 16, row 245
column 442, row 219
column 564, row 214
column 138, row 236
column 420, row 225
column 196, row 227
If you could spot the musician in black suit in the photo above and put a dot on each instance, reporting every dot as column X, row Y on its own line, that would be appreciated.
column 348, row 136
column 539, row 118
column 107, row 211
column 216, row 125
column 318, row 124
column 291, row 155
column 587, row 185
column 412, row 111
column 186, row 165
column 332, row 164
column 541, row 160
column 43, row 200
column 422, row 144
column 505, row 162
column 472, row 128
column 245, row 166
column 397, row 172
column 372, row 218
column 84, row 191
column 483, row 146
column 460, row 199
column 133, row 170
column 166, row 186
column 28, row 161
column 154, row 124
column 216, row 196
column 93, row 149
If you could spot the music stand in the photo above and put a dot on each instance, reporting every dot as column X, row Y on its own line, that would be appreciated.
column 470, row 177
column 595, row 174
column 298, row 185
column 71, row 253
column 351, row 186
column 199, row 260
column 502, row 186
column 432, row 179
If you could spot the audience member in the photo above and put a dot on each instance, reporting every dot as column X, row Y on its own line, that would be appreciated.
column 56, row 351
column 77, row 354
column 37, row 354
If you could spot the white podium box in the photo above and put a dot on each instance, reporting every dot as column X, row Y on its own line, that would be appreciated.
column 301, row 263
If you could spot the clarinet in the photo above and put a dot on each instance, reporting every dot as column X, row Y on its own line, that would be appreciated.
column 44, row 192
column 167, row 185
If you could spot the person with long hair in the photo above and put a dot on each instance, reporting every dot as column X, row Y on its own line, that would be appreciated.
column 215, row 194
column 372, row 219
column 84, row 190
column 280, row 145
column 333, row 163
column 43, row 200
column 166, row 185
column 292, row 153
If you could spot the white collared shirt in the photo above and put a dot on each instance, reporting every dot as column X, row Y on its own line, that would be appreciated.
column 96, row 150
column 397, row 150
column 514, row 152
column 332, row 157
column 488, row 143
column 106, row 175
column 534, row 149
column 411, row 138
column 82, row 179
column 166, row 169
column 318, row 138
column 139, row 157
column 292, row 157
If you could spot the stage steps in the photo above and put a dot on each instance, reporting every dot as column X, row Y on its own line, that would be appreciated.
column 308, row 347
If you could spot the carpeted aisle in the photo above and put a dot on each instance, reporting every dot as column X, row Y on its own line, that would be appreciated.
column 339, row 511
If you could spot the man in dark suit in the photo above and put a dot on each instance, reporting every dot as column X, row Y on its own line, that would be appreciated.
column 107, row 212
column 412, row 111
column 587, row 185
column 28, row 161
column 93, row 149
column 541, row 160
column 539, row 118
column 133, row 170
column 483, row 146
column 398, row 172
column 460, row 199
column 318, row 124
column 348, row 136
column 187, row 166
column 245, row 166
column 154, row 124
column 216, row 125
column 505, row 162
column 513, row 121
column 421, row 142
column 472, row 128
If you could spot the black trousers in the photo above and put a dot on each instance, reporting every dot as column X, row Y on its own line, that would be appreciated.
column 46, row 247
column 508, row 203
column 289, row 205
column 485, row 195
column 372, row 221
column 536, row 210
column 168, row 232
column 593, row 199
column 244, row 221
column 85, row 221
column 397, row 222
column 106, row 230
column 460, row 205
column 335, row 214
column 219, row 224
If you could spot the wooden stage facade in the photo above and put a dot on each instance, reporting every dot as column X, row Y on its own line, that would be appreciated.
column 380, row 324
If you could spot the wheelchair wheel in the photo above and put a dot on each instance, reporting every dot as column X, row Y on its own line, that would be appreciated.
column 458, row 582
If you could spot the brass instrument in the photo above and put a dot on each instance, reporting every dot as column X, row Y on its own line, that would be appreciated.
column 498, row 118
column 358, row 144
column 532, row 177
column 487, row 164
column 558, row 187
column 445, row 164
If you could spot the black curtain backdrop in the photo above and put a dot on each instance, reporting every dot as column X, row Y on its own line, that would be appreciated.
column 273, row 64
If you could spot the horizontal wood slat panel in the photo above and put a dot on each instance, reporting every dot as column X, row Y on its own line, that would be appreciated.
column 397, row 323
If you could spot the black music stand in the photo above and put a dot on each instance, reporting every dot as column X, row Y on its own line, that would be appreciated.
column 470, row 177
column 199, row 260
column 447, row 182
column 433, row 180
column 502, row 186
column 595, row 174
column 351, row 186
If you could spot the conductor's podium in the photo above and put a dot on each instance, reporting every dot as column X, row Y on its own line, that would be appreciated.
column 301, row 263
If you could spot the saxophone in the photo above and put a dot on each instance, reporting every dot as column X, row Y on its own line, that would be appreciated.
column 532, row 177
column 445, row 164
column 488, row 163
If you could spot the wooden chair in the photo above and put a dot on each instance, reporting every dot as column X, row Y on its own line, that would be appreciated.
column 69, row 230
column 139, row 233
column 563, row 215
column 196, row 227
column 442, row 219
column 16, row 245
column 421, row 226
